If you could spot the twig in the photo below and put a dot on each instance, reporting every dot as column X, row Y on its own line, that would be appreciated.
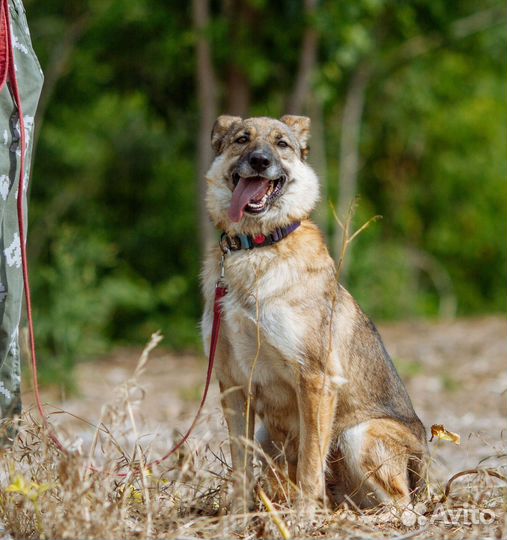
column 345, row 227
column 496, row 456
column 411, row 534
column 274, row 467
column 363, row 227
column 490, row 472
column 280, row 525
column 249, row 410
column 155, row 339
column 148, row 533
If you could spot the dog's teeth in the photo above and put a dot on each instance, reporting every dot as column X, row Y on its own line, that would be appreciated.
column 259, row 204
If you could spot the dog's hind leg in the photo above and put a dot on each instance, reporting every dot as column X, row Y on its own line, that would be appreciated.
column 378, row 454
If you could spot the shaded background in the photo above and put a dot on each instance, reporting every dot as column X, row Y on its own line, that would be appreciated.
column 408, row 108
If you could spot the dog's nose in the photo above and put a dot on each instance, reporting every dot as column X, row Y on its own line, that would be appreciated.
column 259, row 161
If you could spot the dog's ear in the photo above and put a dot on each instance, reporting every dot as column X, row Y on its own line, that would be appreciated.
column 300, row 125
column 220, row 128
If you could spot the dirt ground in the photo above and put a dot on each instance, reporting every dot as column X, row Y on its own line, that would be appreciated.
column 455, row 373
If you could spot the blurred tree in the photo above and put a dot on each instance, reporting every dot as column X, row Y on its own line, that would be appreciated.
column 408, row 110
column 307, row 62
column 207, row 98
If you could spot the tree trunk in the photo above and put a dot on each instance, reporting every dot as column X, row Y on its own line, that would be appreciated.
column 307, row 62
column 318, row 161
column 349, row 150
column 241, row 17
column 238, row 92
column 206, row 91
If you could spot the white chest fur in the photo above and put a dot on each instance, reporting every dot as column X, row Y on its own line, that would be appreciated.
column 265, row 336
column 259, row 323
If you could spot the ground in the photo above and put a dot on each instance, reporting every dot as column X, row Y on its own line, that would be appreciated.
column 455, row 373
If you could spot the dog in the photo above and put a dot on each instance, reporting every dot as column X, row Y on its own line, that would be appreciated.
column 295, row 349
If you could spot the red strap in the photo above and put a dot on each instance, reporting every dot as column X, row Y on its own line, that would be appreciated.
column 220, row 292
column 4, row 46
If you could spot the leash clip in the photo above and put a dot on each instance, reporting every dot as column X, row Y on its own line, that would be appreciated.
column 222, row 267
column 221, row 279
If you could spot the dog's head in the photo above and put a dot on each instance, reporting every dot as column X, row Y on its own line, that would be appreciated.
column 259, row 179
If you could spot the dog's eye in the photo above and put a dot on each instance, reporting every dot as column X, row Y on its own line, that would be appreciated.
column 282, row 144
column 242, row 140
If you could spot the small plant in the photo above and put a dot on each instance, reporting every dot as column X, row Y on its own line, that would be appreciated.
column 32, row 492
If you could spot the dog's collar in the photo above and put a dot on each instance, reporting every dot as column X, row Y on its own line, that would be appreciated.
column 247, row 241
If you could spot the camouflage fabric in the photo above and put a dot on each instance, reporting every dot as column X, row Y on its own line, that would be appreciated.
column 30, row 78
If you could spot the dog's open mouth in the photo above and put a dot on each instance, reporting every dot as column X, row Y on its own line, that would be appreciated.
column 253, row 194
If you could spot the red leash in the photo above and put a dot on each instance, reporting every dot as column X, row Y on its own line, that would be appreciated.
column 8, row 73
column 220, row 292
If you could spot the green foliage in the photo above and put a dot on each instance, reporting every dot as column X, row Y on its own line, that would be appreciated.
column 71, row 307
column 436, row 169
column 113, row 233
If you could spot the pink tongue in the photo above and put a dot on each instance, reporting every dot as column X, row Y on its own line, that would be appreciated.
column 243, row 193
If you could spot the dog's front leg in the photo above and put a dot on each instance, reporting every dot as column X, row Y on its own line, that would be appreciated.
column 241, row 425
column 316, row 403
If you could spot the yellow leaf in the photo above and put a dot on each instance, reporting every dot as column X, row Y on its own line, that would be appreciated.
column 439, row 431
column 19, row 486
column 135, row 495
column 31, row 490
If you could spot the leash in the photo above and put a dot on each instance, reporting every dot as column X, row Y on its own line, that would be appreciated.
column 8, row 74
column 220, row 292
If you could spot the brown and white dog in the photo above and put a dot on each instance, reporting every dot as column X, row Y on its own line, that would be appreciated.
column 328, row 395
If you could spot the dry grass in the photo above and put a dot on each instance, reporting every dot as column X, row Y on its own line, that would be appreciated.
column 46, row 494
